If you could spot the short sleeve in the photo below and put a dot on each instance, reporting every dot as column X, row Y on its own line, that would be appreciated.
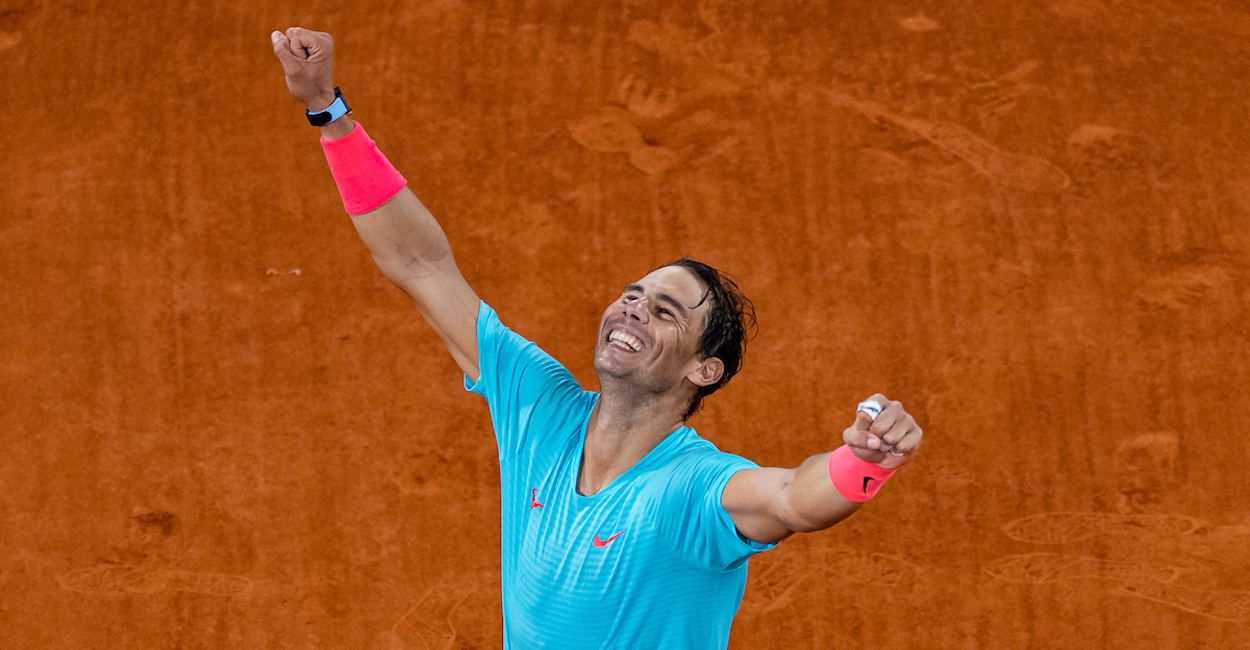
column 530, row 394
column 693, row 518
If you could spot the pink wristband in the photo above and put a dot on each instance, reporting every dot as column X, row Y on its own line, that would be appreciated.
column 857, row 480
column 366, row 179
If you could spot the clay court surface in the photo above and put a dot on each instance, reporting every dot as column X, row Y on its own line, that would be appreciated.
column 221, row 427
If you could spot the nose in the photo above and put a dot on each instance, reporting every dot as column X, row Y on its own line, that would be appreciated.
column 638, row 309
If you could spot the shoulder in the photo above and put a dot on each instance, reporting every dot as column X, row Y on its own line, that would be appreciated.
column 699, row 450
column 507, row 358
column 695, row 459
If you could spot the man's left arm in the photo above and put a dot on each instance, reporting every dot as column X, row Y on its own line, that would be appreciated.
column 769, row 504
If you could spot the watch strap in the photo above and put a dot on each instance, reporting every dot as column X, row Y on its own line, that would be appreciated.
column 338, row 108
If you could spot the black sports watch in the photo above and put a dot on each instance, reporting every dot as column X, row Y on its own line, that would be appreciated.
column 338, row 108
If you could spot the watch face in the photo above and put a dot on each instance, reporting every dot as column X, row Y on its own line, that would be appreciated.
column 318, row 119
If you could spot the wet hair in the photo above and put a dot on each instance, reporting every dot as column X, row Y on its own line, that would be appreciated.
column 729, row 325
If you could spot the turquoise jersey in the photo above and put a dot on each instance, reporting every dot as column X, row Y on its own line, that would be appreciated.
column 650, row 561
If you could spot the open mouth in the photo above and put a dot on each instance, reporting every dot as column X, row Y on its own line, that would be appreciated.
column 624, row 341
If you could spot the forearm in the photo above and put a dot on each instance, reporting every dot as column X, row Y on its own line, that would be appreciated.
column 812, row 501
column 404, row 238
column 338, row 128
column 769, row 504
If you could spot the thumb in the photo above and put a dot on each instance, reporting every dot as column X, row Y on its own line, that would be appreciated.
column 281, row 47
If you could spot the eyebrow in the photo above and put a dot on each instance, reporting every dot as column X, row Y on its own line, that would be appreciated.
column 663, row 297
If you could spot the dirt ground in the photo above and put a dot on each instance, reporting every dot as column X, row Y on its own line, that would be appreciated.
column 221, row 427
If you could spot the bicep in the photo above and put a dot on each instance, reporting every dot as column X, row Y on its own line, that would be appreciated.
column 450, row 306
column 756, row 500
column 412, row 251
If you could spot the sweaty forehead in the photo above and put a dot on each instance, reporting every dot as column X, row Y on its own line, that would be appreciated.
column 677, row 282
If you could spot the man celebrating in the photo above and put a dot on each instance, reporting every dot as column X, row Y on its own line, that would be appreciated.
column 621, row 527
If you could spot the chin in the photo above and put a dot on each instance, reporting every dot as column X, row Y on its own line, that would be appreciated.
column 606, row 366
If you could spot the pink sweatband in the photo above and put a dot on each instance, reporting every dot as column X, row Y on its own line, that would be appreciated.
column 857, row 480
column 366, row 179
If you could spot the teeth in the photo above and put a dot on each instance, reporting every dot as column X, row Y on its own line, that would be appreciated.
column 627, row 340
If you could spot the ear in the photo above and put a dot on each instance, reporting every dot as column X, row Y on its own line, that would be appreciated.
column 708, row 372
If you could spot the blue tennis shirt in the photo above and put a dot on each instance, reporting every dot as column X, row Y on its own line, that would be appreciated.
column 650, row 561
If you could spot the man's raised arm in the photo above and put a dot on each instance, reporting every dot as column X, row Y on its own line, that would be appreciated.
column 406, row 242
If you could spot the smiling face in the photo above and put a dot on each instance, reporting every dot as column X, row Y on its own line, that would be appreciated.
column 649, row 338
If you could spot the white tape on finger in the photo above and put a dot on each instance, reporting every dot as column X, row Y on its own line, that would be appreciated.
column 870, row 406
column 873, row 408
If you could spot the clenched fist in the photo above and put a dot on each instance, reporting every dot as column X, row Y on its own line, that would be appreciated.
column 890, row 440
column 308, row 60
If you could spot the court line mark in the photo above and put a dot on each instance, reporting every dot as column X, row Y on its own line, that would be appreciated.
column 1068, row 527
column 1043, row 568
column 117, row 579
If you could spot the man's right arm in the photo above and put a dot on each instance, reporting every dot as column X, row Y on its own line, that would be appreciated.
column 406, row 241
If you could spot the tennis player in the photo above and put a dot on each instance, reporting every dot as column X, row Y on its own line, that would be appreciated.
column 621, row 527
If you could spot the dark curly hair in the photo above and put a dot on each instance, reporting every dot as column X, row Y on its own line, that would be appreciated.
column 730, row 324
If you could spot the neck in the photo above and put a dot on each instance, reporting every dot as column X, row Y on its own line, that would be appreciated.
column 625, row 425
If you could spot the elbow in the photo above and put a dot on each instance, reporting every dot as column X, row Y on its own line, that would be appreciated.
column 805, row 525
column 793, row 518
column 406, row 267
column 811, row 525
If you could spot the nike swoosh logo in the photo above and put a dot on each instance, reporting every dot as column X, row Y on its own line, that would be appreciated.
column 600, row 543
column 866, row 479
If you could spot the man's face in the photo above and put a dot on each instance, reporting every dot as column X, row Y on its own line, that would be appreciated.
column 650, row 335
